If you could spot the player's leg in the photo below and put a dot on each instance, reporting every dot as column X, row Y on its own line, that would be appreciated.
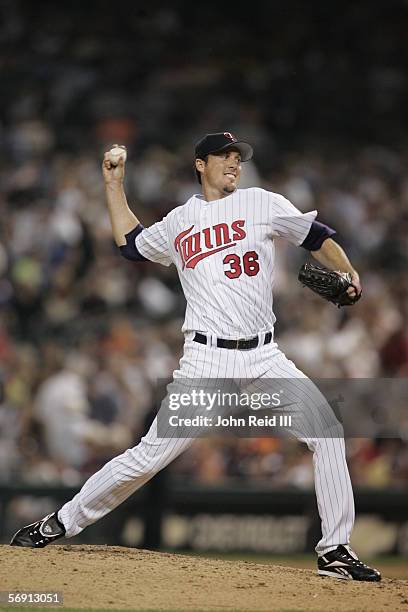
column 119, row 479
column 114, row 482
column 316, row 425
column 123, row 475
column 105, row 490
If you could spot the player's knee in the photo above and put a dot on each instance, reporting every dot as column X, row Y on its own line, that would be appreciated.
column 133, row 464
column 143, row 461
column 333, row 432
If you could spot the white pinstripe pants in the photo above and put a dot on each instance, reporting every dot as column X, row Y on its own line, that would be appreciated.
column 124, row 474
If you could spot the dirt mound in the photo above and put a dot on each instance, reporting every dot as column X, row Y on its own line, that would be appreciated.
column 113, row 577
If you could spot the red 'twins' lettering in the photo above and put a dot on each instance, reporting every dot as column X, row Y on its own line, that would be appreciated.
column 221, row 236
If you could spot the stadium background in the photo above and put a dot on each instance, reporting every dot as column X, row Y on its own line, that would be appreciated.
column 84, row 335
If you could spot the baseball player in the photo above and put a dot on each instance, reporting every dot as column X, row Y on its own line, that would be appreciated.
column 222, row 244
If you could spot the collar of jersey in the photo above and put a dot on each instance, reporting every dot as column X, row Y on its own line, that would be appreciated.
column 199, row 196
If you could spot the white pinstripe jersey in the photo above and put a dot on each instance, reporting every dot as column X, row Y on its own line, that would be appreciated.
column 224, row 253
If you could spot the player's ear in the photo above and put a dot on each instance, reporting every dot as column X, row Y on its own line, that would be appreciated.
column 200, row 165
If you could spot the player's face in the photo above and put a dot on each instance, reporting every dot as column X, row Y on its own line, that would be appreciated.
column 222, row 171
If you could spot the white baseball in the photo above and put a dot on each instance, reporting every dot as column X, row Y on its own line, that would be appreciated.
column 116, row 153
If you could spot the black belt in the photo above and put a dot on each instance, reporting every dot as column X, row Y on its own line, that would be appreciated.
column 241, row 345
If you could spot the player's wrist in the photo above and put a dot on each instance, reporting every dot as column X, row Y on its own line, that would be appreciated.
column 114, row 185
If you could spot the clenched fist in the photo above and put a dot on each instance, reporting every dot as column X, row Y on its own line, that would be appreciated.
column 113, row 168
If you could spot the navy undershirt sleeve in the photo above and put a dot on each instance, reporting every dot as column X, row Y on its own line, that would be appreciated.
column 318, row 233
column 129, row 249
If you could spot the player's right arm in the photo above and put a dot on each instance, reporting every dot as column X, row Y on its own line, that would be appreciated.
column 135, row 242
column 122, row 219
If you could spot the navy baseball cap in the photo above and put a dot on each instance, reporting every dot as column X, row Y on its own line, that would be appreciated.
column 213, row 143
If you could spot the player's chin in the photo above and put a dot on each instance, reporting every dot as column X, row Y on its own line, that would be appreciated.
column 230, row 187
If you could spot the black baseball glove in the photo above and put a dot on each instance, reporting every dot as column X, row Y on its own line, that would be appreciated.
column 330, row 285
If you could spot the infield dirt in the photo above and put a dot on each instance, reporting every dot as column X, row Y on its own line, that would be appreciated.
column 112, row 577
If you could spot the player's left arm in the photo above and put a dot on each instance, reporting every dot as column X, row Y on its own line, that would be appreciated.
column 302, row 229
column 331, row 256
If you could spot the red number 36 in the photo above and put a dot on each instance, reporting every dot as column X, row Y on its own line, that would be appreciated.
column 249, row 263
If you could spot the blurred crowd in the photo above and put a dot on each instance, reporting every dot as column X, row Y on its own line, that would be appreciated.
column 86, row 337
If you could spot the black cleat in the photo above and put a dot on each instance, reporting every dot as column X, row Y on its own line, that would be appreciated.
column 39, row 534
column 343, row 563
